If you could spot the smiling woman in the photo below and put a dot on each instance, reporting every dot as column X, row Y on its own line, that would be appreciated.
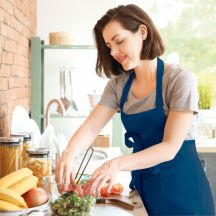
column 158, row 102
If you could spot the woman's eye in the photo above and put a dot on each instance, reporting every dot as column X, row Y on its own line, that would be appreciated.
column 119, row 42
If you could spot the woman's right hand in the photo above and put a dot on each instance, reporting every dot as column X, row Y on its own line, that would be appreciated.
column 64, row 172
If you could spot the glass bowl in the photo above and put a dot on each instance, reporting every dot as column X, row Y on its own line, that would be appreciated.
column 73, row 202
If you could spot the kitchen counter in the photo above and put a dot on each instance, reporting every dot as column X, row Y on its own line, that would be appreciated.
column 206, row 145
column 124, row 178
column 109, row 209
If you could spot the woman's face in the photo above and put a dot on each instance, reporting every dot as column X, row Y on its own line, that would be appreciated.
column 125, row 46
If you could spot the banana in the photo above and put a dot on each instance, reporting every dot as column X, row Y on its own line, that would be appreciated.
column 24, row 185
column 12, row 197
column 14, row 177
column 6, row 206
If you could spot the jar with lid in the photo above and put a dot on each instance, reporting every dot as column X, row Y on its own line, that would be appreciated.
column 9, row 155
column 39, row 162
column 27, row 144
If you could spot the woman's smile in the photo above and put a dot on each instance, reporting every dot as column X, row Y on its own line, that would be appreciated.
column 121, row 59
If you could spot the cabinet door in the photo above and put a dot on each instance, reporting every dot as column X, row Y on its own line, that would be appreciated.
column 208, row 161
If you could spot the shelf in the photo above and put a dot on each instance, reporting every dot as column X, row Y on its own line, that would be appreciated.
column 67, row 47
column 38, row 49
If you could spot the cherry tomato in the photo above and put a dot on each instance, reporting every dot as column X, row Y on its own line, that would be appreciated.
column 79, row 191
column 116, row 189
column 104, row 192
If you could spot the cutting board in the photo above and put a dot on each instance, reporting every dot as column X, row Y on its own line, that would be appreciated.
column 119, row 200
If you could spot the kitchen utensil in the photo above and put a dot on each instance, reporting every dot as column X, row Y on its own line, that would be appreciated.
column 63, row 88
column 91, row 150
column 72, row 102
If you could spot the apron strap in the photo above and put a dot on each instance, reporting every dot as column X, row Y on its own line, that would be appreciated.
column 126, row 90
column 159, row 82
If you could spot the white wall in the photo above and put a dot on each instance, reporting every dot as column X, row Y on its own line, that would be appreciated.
column 79, row 18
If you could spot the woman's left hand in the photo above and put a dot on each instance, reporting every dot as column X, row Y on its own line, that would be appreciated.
column 104, row 174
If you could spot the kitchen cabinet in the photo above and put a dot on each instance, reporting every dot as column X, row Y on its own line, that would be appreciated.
column 38, row 49
column 208, row 160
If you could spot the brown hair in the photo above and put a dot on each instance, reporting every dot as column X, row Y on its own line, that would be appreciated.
column 130, row 17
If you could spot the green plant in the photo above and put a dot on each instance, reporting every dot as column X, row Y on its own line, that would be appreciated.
column 206, row 90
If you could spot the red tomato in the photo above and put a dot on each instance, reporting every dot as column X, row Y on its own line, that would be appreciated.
column 79, row 191
column 69, row 188
column 87, row 190
column 104, row 191
column 116, row 189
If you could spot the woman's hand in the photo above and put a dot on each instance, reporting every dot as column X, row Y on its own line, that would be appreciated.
column 104, row 174
column 64, row 172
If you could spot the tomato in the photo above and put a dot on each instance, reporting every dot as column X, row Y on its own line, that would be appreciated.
column 116, row 189
column 104, row 191
column 69, row 187
column 78, row 190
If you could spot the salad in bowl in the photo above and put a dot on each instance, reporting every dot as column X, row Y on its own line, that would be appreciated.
column 76, row 201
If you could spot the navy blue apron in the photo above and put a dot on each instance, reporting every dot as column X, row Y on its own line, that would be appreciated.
column 176, row 187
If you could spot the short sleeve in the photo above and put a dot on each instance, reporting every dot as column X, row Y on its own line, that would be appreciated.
column 184, row 92
column 109, row 96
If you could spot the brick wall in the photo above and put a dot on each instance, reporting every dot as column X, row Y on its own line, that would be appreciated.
column 17, row 26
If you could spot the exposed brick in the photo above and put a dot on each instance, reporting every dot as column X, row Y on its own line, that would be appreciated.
column 18, row 4
column 12, row 1
column 1, row 13
column 21, row 60
column 7, row 57
column 2, row 39
column 5, row 70
column 17, row 26
column 19, row 71
column 10, row 8
column 18, row 15
column 18, row 82
column 26, row 32
column 5, row 125
column 10, row 45
column 21, row 50
column 25, row 41
column 14, row 35
column 4, row 30
column 3, row 110
column 3, row 84
column 4, row 97
column 3, row 4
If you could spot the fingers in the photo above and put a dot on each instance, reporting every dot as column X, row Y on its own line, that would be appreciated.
column 102, row 183
column 64, row 176
column 111, row 181
column 58, row 177
column 95, row 182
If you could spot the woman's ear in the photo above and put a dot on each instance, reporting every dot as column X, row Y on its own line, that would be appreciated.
column 143, row 31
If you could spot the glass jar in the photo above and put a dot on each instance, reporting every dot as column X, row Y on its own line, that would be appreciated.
column 21, row 140
column 9, row 155
column 27, row 144
column 39, row 162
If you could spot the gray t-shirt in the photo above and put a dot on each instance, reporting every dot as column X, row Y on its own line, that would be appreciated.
column 180, row 93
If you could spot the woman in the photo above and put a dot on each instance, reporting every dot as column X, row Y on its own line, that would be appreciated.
column 158, row 103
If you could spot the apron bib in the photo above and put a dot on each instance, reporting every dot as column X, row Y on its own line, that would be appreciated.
column 176, row 187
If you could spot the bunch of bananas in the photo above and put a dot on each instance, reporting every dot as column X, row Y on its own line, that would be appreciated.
column 13, row 186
